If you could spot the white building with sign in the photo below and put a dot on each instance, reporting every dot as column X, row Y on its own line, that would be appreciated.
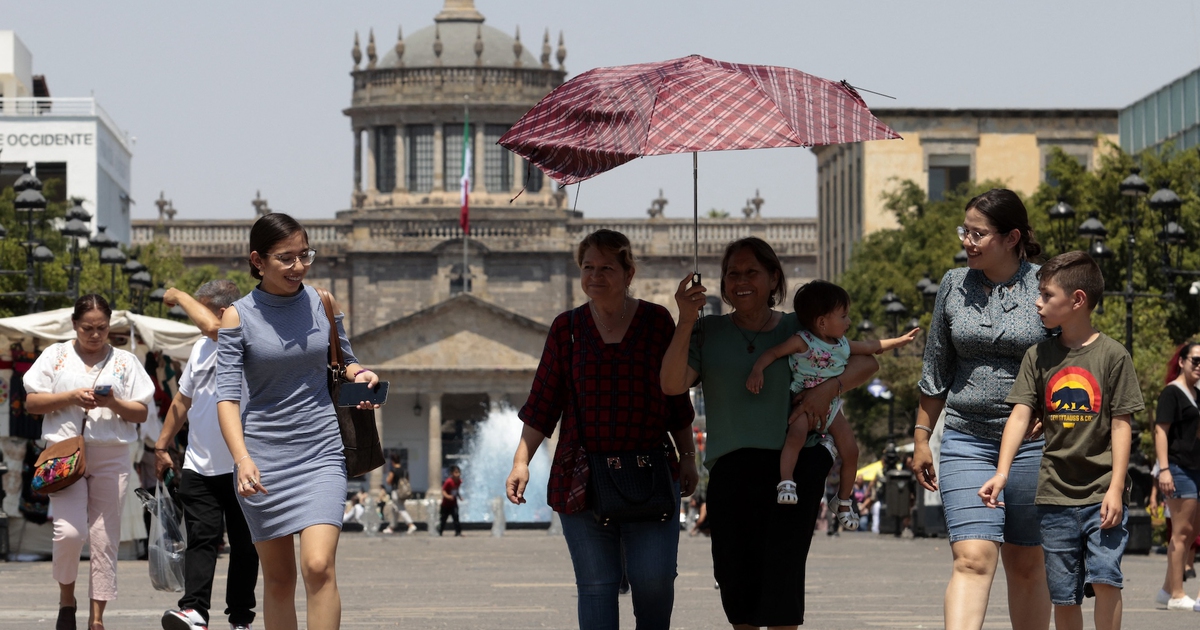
column 71, row 140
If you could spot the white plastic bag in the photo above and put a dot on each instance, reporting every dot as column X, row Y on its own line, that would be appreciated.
column 168, row 541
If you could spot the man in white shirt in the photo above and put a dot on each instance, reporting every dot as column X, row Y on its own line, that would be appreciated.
column 206, row 484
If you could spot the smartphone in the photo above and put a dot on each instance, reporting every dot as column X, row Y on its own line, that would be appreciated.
column 102, row 390
column 353, row 393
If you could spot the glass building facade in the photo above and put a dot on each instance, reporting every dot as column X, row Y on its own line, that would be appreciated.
column 1171, row 113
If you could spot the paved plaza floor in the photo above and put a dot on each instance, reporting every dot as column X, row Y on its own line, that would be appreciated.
column 524, row 580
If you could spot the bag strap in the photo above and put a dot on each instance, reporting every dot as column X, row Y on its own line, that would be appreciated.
column 335, row 347
column 83, row 425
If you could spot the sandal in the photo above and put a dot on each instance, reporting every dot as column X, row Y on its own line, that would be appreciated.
column 66, row 618
column 787, row 493
column 848, row 519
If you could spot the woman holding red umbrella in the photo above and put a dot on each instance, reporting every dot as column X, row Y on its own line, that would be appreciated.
column 759, row 546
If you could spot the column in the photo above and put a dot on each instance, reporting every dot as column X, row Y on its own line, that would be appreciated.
column 401, row 159
column 435, row 445
column 439, row 161
column 357, row 160
column 372, row 159
column 497, row 401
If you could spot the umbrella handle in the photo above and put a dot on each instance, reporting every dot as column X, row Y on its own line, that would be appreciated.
column 696, row 278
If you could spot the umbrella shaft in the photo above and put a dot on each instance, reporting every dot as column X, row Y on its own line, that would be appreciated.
column 695, row 218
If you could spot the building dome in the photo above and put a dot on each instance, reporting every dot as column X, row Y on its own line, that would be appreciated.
column 458, row 39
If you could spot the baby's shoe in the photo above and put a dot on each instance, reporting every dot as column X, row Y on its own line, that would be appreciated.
column 787, row 493
column 848, row 519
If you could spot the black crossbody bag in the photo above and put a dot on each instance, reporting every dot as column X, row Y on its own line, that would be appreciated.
column 623, row 486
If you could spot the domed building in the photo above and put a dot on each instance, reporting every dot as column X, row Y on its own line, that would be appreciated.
column 453, row 344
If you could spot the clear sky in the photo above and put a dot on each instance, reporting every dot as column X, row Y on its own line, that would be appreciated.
column 226, row 98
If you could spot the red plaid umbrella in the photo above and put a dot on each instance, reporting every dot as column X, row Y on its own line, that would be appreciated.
column 608, row 116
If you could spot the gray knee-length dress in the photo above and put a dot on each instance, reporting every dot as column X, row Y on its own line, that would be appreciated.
column 289, row 423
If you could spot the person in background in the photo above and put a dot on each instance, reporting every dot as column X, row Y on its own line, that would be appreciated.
column 1177, row 450
column 71, row 381
column 399, row 489
column 984, row 319
column 210, row 504
column 450, row 494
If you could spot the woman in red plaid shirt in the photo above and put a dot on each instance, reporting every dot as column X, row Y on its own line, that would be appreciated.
column 610, row 351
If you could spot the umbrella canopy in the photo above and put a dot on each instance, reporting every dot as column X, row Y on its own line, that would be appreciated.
column 608, row 116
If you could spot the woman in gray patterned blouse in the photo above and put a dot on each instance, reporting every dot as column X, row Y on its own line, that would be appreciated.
column 983, row 321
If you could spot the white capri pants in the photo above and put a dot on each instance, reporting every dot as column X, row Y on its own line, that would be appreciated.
column 90, row 511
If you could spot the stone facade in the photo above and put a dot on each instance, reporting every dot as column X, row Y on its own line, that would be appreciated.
column 394, row 258
column 940, row 148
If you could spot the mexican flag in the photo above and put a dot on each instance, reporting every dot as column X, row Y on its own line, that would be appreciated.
column 463, row 219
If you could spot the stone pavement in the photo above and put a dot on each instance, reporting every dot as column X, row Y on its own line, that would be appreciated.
column 524, row 580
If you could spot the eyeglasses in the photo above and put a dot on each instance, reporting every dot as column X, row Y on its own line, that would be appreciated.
column 1195, row 361
column 975, row 236
column 305, row 258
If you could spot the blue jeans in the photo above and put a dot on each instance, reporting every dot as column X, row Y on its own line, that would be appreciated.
column 966, row 463
column 645, row 552
column 1187, row 482
column 1078, row 552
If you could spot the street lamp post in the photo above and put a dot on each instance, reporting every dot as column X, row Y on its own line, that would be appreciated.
column 31, row 201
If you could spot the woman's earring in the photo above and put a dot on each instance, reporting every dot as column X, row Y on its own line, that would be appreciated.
column 771, row 302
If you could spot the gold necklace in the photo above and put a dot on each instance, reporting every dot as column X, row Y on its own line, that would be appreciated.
column 750, row 341
column 596, row 314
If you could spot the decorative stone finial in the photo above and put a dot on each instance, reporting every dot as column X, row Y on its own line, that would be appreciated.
column 356, row 52
column 171, row 211
column 546, row 49
column 561, row 55
column 260, row 205
column 748, row 209
column 161, row 202
column 758, row 203
column 371, row 58
column 518, row 48
column 657, row 206
column 400, row 47
column 479, row 45
column 437, row 43
column 459, row 11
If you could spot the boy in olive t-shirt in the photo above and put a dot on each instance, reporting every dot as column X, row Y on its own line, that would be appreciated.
column 1083, row 387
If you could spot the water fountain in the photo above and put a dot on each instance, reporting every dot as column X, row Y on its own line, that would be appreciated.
column 489, row 452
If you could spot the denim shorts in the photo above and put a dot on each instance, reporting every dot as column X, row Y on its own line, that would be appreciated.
column 965, row 464
column 1187, row 482
column 1078, row 552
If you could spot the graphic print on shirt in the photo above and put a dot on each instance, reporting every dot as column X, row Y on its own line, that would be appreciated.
column 1072, row 395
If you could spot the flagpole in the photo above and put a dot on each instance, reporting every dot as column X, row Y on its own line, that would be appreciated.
column 466, row 186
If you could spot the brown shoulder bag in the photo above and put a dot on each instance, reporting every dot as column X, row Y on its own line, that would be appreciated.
column 63, row 463
column 360, row 437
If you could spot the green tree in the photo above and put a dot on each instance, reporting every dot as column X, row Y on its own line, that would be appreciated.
column 164, row 262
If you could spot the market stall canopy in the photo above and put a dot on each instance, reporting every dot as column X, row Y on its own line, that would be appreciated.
column 173, row 338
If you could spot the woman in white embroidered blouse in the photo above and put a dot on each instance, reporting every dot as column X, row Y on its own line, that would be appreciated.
column 63, row 384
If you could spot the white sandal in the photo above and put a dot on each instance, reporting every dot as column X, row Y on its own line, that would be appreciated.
column 848, row 519
column 787, row 493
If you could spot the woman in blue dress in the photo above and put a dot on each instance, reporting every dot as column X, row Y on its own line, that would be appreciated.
column 286, row 446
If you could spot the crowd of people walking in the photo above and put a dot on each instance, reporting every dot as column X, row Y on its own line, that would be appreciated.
column 264, row 468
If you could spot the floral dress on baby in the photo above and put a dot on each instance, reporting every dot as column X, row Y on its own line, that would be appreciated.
column 820, row 363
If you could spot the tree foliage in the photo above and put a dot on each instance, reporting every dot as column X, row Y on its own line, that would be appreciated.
column 925, row 242
column 164, row 262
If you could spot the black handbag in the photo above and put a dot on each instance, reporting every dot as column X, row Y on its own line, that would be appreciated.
column 360, row 437
column 624, row 486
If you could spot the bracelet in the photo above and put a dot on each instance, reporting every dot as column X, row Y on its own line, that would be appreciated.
column 362, row 371
column 688, row 454
column 923, row 428
column 240, row 460
column 1002, row 475
column 161, row 450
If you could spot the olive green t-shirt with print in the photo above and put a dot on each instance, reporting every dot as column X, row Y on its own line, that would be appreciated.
column 1077, row 392
column 735, row 417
